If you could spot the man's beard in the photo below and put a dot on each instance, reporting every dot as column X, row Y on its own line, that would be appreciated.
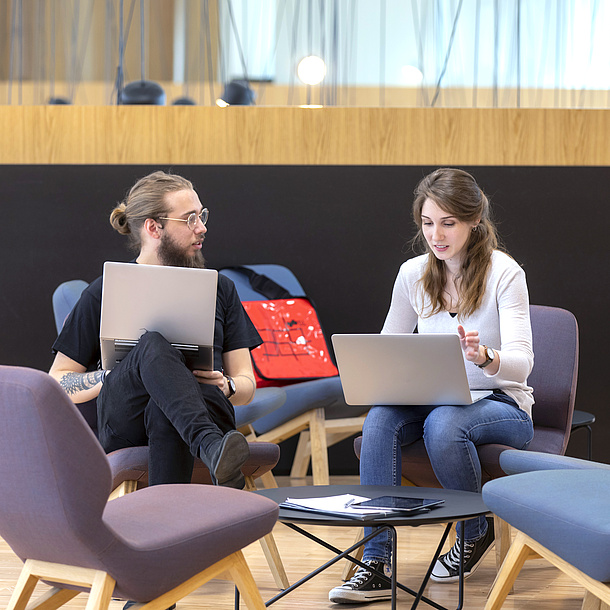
column 170, row 254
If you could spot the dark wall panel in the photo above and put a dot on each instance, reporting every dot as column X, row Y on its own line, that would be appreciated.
column 343, row 230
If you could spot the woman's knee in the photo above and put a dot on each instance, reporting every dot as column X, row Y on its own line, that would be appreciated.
column 378, row 423
column 441, row 426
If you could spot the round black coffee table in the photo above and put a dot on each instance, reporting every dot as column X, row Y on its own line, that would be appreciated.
column 458, row 506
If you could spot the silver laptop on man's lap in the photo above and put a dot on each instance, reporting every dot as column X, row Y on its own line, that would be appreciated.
column 178, row 302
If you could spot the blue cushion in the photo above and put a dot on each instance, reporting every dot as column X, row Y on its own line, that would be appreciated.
column 279, row 274
column 567, row 511
column 326, row 393
column 515, row 461
column 64, row 299
column 265, row 401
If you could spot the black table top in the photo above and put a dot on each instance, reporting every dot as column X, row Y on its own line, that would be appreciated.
column 458, row 506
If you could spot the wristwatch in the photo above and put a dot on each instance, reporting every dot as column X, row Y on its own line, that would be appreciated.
column 231, row 384
column 489, row 352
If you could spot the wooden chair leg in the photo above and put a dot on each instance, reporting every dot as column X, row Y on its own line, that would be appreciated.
column 53, row 599
column 23, row 589
column 319, row 448
column 242, row 577
column 503, row 540
column 268, row 480
column 272, row 555
column 302, row 456
column 101, row 592
column 515, row 558
column 350, row 568
column 100, row 583
column 270, row 550
column 590, row 602
column 126, row 487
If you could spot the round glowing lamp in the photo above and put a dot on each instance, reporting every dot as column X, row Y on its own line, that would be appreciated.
column 311, row 70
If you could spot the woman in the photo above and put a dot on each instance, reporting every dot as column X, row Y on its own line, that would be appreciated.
column 464, row 285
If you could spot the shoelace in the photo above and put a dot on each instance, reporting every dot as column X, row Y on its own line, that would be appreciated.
column 359, row 577
column 453, row 556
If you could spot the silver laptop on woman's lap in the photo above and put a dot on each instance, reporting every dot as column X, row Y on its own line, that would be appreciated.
column 405, row 369
column 178, row 302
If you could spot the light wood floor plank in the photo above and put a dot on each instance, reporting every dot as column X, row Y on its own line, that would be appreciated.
column 539, row 586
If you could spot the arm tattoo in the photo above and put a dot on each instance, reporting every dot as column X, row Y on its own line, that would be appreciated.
column 73, row 383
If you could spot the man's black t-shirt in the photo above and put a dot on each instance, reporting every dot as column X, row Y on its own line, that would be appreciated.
column 80, row 336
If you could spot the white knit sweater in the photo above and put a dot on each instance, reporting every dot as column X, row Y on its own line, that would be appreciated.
column 503, row 322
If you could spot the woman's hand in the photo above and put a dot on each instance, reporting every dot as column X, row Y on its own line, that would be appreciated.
column 470, row 342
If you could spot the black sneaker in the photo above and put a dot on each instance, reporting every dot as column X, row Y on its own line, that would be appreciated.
column 225, row 459
column 364, row 586
column 447, row 566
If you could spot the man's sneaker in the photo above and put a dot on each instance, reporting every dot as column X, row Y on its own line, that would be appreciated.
column 447, row 566
column 364, row 586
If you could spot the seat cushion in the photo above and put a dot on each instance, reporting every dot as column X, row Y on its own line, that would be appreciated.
column 515, row 462
column 266, row 400
column 564, row 510
column 131, row 464
column 416, row 466
column 325, row 393
column 156, row 549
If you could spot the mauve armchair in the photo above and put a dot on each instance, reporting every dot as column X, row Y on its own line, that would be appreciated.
column 153, row 546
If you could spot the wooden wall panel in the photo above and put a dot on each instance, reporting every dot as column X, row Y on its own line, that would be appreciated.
column 303, row 136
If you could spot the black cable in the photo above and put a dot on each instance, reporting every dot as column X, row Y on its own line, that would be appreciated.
column 496, row 54
column 420, row 49
column 382, row 46
column 81, row 54
column 518, row 53
column 20, row 52
column 353, row 46
column 335, row 52
column 52, row 54
column 238, row 41
column 309, row 43
column 206, row 16
column 591, row 38
column 74, row 47
column 11, row 50
column 448, row 54
column 142, row 51
column 293, row 43
column 322, row 22
column 477, row 35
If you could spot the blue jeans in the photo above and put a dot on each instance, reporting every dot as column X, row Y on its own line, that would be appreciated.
column 152, row 398
column 451, row 435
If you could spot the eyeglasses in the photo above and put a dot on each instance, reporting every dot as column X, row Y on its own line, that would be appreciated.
column 191, row 221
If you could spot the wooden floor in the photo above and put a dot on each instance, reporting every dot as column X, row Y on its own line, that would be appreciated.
column 539, row 586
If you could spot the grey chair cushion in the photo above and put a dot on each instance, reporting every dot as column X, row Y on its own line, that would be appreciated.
column 564, row 510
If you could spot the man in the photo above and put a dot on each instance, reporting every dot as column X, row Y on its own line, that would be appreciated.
column 151, row 397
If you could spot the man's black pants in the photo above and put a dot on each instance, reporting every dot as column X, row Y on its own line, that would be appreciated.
column 151, row 398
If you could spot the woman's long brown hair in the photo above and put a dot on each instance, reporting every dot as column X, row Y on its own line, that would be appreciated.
column 456, row 192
